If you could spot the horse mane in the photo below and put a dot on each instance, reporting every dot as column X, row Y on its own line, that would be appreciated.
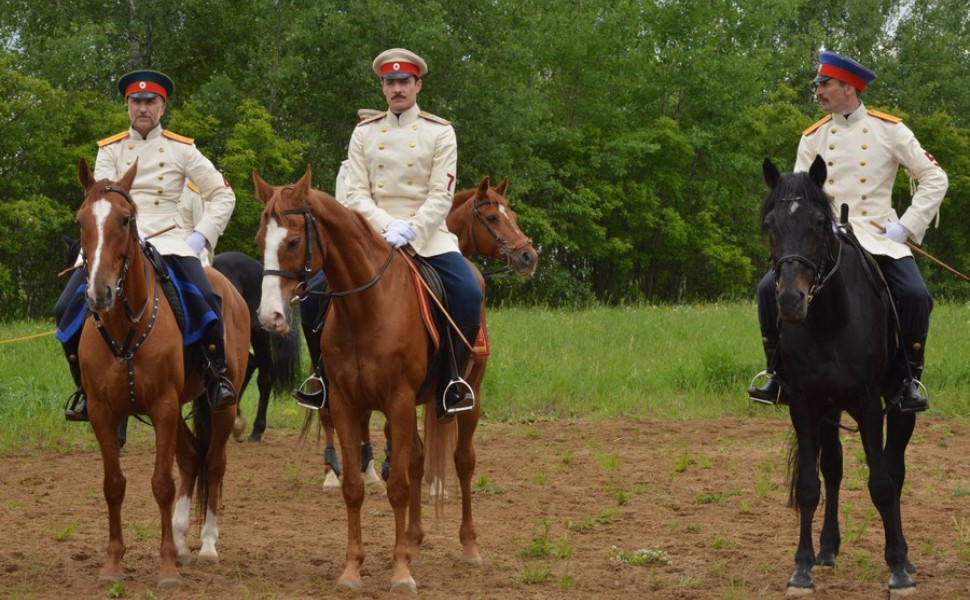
column 332, row 206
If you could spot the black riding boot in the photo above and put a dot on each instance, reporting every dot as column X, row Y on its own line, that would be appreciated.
column 220, row 390
column 455, row 394
column 909, row 398
column 770, row 391
column 76, row 407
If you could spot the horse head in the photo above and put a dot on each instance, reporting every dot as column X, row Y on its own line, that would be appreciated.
column 108, row 234
column 492, row 227
column 799, row 219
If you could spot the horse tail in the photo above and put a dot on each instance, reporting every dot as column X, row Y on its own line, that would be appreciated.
column 792, row 468
column 285, row 350
column 203, row 435
column 795, row 465
column 440, row 440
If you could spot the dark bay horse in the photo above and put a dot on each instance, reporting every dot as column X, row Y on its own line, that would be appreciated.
column 486, row 226
column 276, row 358
column 836, row 347
column 377, row 351
column 132, row 362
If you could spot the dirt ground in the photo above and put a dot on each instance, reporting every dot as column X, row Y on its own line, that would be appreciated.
column 562, row 510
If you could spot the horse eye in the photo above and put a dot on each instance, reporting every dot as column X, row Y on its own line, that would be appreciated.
column 491, row 219
column 293, row 244
column 125, row 221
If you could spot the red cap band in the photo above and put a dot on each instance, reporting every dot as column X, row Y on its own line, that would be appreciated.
column 399, row 66
column 842, row 75
column 145, row 86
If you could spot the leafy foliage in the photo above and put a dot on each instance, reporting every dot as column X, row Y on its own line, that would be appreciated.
column 632, row 132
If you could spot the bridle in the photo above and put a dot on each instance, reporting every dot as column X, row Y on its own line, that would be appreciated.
column 314, row 238
column 506, row 248
column 125, row 352
column 817, row 266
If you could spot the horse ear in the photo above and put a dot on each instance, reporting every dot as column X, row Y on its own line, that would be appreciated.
column 818, row 171
column 304, row 184
column 263, row 190
column 771, row 173
column 129, row 177
column 483, row 186
column 84, row 174
column 500, row 188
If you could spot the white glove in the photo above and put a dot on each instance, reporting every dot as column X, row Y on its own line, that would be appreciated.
column 394, row 238
column 896, row 232
column 196, row 241
column 402, row 228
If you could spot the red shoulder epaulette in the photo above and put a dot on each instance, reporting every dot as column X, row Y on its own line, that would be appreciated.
column 817, row 124
column 177, row 137
column 115, row 138
column 884, row 116
column 434, row 118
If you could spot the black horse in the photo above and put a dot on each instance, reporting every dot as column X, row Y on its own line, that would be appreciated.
column 276, row 357
column 836, row 348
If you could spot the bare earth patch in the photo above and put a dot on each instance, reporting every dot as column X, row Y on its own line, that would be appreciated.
column 613, row 509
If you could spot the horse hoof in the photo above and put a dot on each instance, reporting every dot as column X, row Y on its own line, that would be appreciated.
column 238, row 427
column 825, row 559
column 901, row 584
column 793, row 591
column 183, row 559
column 330, row 481
column 103, row 578
column 909, row 567
column 207, row 559
column 167, row 583
column 472, row 558
column 408, row 586
column 350, row 584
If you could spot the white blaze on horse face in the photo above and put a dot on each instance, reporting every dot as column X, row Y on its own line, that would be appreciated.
column 794, row 207
column 272, row 309
column 100, row 209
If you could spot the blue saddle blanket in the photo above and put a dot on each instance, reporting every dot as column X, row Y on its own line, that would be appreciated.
column 199, row 315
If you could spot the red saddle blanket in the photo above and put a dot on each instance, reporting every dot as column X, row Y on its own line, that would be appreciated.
column 479, row 344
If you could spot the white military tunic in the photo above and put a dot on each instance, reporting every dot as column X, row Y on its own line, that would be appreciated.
column 862, row 152
column 166, row 162
column 404, row 168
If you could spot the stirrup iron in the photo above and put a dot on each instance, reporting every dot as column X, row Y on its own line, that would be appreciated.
column 466, row 397
column 765, row 374
column 312, row 400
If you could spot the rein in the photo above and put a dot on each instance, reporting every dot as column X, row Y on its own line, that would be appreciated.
column 125, row 352
column 310, row 225
column 506, row 248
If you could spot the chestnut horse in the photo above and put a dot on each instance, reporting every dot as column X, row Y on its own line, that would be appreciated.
column 486, row 226
column 131, row 361
column 377, row 351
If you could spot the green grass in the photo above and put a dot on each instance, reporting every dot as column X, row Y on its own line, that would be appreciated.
column 650, row 362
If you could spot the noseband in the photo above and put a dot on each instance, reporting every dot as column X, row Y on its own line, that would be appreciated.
column 310, row 228
column 506, row 249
